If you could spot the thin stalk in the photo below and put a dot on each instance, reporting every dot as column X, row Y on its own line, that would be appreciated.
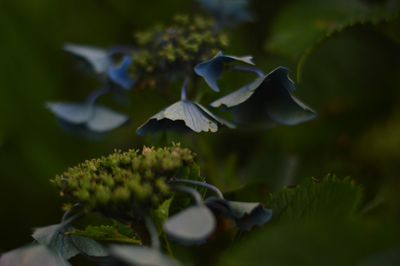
column 190, row 191
column 95, row 95
column 184, row 89
column 249, row 69
column 210, row 187
column 151, row 228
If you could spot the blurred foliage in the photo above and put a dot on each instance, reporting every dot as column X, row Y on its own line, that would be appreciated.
column 350, row 79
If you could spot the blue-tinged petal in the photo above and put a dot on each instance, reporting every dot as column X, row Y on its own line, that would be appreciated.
column 104, row 119
column 191, row 226
column 120, row 74
column 98, row 59
column 71, row 112
column 212, row 69
column 32, row 255
column 267, row 101
column 245, row 214
column 228, row 12
column 89, row 247
column 249, row 214
column 79, row 118
column 53, row 237
column 141, row 256
column 183, row 116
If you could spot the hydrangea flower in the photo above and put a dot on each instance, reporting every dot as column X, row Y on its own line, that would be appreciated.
column 267, row 101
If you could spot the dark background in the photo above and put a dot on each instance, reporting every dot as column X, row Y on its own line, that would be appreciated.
column 351, row 79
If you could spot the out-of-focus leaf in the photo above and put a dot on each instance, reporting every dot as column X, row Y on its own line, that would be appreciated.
column 303, row 24
column 120, row 74
column 227, row 12
column 141, row 256
column 212, row 69
column 245, row 214
column 191, row 226
column 95, row 118
column 160, row 215
column 183, row 116
column 311, row 242
column 98, row 59
column 388, row 257
column 267, row 101
column 32, row 255
column 329, row 198
column 104, row 233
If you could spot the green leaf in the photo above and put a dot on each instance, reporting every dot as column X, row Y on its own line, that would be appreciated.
column 160, row 215
column 329, row 198
column 104, row 233
column 302, row 25
column 316, row 242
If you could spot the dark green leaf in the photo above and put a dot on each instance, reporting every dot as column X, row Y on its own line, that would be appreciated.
column 313, row 242
column 304, row 24
column 329, row 198
column 104, row 233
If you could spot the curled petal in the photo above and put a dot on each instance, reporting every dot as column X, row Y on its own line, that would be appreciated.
column 183, row 116
column 120, row 74
column 141, row 256
column 191, row 226
column 98, row 59
column 267, row 100
column 32, row 255
column 212, row 69
column 93, row 118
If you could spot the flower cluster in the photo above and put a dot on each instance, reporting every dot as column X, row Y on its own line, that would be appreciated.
column 123, row 181
column 174, row 49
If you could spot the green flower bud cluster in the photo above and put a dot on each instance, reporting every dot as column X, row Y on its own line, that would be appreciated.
column 124, row 182
column 178, row 47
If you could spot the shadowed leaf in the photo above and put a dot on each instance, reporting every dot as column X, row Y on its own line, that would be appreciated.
column 328, row 198
column 302, row 25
